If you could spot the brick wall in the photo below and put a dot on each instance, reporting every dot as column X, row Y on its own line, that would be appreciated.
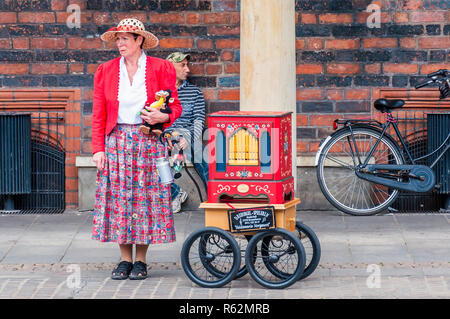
column 341, row 62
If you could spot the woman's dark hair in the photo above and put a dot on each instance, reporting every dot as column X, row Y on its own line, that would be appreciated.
column 135, row 35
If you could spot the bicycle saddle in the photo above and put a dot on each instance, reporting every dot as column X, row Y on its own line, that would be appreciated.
column 384, row 105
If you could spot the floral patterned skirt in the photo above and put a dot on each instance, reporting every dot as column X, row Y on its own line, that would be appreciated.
column 131, row 206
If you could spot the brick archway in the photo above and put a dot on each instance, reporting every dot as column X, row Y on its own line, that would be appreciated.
column 65, row 106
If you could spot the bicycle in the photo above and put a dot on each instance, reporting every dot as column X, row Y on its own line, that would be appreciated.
column 361, row 168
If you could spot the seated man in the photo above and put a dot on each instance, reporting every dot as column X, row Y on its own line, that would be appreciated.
column 190, row 124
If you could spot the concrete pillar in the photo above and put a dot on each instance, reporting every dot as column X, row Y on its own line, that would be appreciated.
column 267, row 55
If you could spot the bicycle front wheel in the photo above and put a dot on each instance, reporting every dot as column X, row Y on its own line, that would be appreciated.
column 338, row 162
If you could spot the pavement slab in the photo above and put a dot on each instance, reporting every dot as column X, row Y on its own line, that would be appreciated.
column 372, row 257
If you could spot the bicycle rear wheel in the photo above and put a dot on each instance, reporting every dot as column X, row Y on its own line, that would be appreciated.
column 336, row 171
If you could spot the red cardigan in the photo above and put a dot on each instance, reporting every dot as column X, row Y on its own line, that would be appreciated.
column 160, row 75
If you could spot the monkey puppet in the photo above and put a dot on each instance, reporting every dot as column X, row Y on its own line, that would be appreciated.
column 163, row 99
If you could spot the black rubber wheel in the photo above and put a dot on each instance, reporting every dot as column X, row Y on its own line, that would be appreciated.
column 210, row 257
column 312, row 248
column 275, row 258
column 338, row 163
column 242, row 242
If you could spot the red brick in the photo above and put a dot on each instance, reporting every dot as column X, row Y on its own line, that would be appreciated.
column 301, row 120
column 76, row 68
column 227, row 56
column 335, row 94
column 229, row 95
column 84, row 43
column 5, row 43
column 8, row 17
column 336, row 18
column 373, row 68
column 36, row 17
column 193, row 18
column 302, row 147
column 102, row 18
column 409, row 43
column 210, row 94
column 357, row 94
column 231, row 68
column 73, row 131
column 197, row 68
column 91, row 68
column 223, row 30
column 430, row 68
column 322, row 120
column 299, row 44
column 309, row 94
column 47, row 68
column 412, row 4
column 80, row 3
column 213, row 69
column 313, row 147
column 71, row 198
column 434, row 43
column 48, row 43
column 308, row 18
column 141, row 16
column 73, row 118
column 228, row 43
column 204, row 44
column 343, row 68
column 71, row 171
column 427, row 16
column 401, row 17
column 167, row 18
column 87, row 120
column 216, row 18
column 380, row 43
column 87, row 147
column 73, row 145
column 399, row 68
column 235, row 18
column 21, row 43
column 342, row 44
column 13, row 68
column 315, row 44
column 59, row 5
column 170, row 43
column 309, row 69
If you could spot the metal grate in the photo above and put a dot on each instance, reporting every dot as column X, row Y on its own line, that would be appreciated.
column 47, row 193
column 15, row 156
column 414, row 129
column 438, row 128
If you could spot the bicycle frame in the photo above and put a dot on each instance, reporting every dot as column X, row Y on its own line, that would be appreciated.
column 384, row 127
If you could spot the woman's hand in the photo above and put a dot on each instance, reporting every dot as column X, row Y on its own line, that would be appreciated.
column 99, row 159
column 153, row 116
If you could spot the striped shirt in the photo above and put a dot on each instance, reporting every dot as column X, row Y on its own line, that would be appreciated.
column 192, row 120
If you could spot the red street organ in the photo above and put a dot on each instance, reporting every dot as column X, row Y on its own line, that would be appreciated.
column 250, row 157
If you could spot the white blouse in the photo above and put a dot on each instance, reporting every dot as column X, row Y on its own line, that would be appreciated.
column 132, row 97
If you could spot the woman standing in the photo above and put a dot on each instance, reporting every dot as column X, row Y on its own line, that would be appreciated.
column 131, row 207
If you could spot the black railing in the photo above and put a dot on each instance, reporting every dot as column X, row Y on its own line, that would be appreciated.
column 46, row 178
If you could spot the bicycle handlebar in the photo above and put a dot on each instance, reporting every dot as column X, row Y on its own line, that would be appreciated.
column 434, row 77
column 442, row 72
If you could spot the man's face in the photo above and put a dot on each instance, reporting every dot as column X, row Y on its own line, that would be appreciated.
column 182, row 69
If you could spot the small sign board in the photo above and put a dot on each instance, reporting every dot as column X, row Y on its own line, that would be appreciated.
column 251, row 219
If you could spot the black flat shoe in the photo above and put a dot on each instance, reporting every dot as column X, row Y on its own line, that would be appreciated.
column 122, row 271
column 139, row 271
